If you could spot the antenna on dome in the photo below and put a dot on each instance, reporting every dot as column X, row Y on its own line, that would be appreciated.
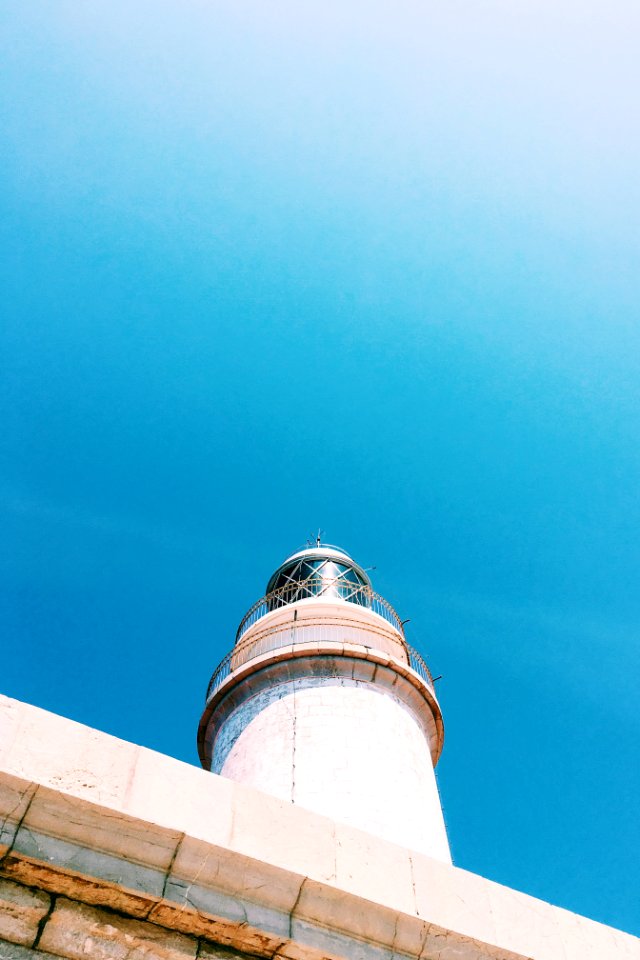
column 315, row 539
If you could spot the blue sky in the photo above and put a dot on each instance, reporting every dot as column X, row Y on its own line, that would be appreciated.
column 370, row 267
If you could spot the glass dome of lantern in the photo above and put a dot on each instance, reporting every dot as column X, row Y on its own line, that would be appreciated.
column 323, row 570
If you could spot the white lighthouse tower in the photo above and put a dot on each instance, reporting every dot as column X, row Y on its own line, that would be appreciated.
column 323, row 703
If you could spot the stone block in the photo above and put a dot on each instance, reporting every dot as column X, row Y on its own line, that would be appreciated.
column 334, row 943
column 21, row 911
column 206, row 901
column 374, row 869
column 524, row 924
column 363, row 669
column 201, row 808
column 453, row 899
column 51, row 750
column 79, row 932
column 15, row 797
column 327, row 908
column 225, row 883
column 85, row 888
column 88, row 862
column 239, row 937
column 11, row 712
column 86, row 825
column 292, row 840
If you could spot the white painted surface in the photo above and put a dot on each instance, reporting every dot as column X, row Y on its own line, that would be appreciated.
column 317, row 620
column 344, row 748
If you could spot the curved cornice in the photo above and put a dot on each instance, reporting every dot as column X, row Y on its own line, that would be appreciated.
column 330, row 659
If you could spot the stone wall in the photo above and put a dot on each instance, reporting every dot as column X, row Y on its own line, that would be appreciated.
column 109, row 851
column 35, row 924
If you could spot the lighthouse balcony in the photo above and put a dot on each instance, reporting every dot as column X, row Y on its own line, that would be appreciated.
column 320, row 624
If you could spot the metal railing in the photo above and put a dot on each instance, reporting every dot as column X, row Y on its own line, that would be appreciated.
column 417, row 663
column 234, row 660
column 320, row 630
column 336, row 589
column 220, row 674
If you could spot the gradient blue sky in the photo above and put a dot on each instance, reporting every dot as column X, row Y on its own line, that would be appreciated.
column 368, row 266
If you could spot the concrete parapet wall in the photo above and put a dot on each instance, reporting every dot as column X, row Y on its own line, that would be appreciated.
column 109, row 850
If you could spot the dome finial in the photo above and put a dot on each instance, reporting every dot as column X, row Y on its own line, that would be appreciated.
column 317, row 540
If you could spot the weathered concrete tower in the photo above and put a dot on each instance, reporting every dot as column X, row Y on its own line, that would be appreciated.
column 322, row 703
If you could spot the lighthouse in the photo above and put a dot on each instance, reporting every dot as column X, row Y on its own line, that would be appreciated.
column 323, row 703
column 325, row 727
